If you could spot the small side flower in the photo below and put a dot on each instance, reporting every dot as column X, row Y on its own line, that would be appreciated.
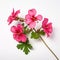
column 47, row 27
column 13, row 16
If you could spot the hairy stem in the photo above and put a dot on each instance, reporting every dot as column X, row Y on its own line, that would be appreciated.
column 20, row 19
column 49, row 48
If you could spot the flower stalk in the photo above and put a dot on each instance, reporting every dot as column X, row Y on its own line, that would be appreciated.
column 49, row 48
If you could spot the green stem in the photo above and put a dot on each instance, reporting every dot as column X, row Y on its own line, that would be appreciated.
column 49, row 48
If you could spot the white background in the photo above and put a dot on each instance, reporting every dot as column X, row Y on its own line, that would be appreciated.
column 48, row 8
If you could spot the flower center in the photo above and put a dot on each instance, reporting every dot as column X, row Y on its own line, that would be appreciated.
column 18, row 32
column 46, row 26
column 33, row 18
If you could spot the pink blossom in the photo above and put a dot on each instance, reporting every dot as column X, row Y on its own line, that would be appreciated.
column 13, row 16
column 31, row 18
column 18, row 34
column 47, row 27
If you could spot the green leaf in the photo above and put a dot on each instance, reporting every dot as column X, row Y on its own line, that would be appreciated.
column 26, row 50
column 29, row 46
column 42, row 32
column 20, row 46
column 35, row 35
column 25, row 47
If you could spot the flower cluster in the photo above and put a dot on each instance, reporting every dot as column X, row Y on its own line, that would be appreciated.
column 27, row 26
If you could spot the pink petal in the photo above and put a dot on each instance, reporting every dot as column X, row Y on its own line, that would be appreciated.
column 28, row 21
column 50, row 30
column 32, row 25
column 10, row 20
column 39, row 17
column 13, row 12
column 46, row 31
column 17, row 12
column 20, row 28
column 49, row 25
column 32, row 12
column 23, row 37
column 13, row 29
column 16, row 37
column 27, row 16
column 44, row 22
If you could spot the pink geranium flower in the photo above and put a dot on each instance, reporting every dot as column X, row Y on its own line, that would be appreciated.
column 31, row 18
column 47, row 27
column 13, row 16
column 18, row 34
